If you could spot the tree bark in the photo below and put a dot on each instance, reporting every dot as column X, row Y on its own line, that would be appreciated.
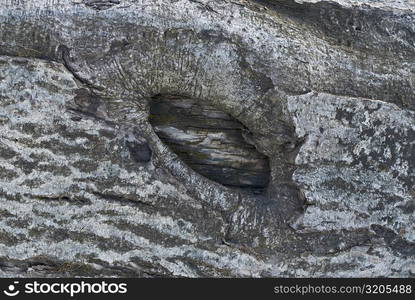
column 321, row 94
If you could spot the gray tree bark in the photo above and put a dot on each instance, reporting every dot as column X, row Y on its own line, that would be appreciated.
column 290, row 151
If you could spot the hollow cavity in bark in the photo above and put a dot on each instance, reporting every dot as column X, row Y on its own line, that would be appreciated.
column 210, row 141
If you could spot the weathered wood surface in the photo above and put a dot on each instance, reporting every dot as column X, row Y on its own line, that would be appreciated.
column 324, row 90
column 211, row 142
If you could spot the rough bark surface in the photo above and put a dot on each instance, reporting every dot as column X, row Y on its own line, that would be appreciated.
column 323, row 92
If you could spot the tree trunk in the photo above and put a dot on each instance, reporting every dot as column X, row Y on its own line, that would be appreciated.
column 207, row 138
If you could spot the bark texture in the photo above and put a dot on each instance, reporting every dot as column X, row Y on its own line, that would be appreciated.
column 207, row 138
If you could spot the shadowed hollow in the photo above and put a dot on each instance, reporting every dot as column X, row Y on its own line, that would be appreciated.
column 209, row 141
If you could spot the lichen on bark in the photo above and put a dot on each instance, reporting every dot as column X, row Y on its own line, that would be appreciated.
column 322, row 90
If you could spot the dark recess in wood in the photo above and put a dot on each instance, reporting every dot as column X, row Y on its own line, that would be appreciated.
column 209, row 141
